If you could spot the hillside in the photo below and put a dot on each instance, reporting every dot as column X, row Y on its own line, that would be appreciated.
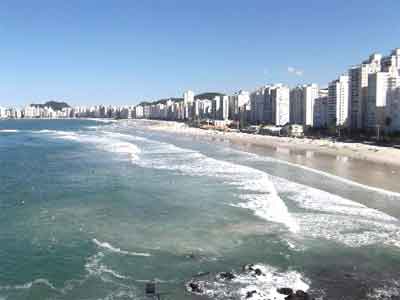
column 208, row 95
column 53, row 104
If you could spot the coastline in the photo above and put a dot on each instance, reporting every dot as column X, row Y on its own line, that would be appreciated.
column 374, row 167
column 370, row 153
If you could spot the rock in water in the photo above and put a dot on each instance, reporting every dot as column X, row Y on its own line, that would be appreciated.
column 226, row 276
column 299, row 295
column 250, row 294
column 195, row 287
column 285, row 291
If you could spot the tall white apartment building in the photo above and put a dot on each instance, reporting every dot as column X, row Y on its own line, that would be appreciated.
column 188, row 99
column 311, row 92
column 302, row 104
column 280, row 96
column 220, row 108
column 236, row 102
column 376, row 99
column 391, row 62
column 358, row 85
column 338, row 101
column 3, row 113
column 31, row 112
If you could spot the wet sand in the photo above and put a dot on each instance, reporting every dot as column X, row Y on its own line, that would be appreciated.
column 368, row 165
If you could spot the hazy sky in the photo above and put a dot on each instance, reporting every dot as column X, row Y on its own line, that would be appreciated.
column 116, row 51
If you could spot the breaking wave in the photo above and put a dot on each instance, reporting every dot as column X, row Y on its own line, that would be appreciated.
column 256, row 188
column 249, row 284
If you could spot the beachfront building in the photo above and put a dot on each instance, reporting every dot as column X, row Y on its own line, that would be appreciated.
column 270, row 105
column 376, row 101
column 392, row 122
column 238, row 102
column 279, row 95
column 310, row 93
column 296, row 105
column 220, row 108
column 382, row 104
column 260, row 105
column 31, row 112
column 188, row 99
column 202, row 109
column 358, row 89
column 3, row 114
column 321, row 112
column 302, row 99
column 338, row 101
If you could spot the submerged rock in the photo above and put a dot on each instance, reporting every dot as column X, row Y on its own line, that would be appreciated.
column 250, row 294
column 299, row 295
column 285, row 291
column 226, row 276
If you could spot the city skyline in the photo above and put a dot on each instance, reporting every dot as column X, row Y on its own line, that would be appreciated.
column 85, row 54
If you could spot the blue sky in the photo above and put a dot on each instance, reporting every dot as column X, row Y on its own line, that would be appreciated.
column 122, row 52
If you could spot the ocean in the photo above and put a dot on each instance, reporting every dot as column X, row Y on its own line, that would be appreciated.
column 95, row 210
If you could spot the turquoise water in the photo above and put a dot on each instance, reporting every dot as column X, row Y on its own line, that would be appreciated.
column 94, row 210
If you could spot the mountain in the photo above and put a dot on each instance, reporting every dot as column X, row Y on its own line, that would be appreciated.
column 52, row 104
column 208, row 95
column 163, row 101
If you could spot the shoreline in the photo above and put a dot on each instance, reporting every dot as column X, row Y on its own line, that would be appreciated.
column 359, row 151
column 374, row 167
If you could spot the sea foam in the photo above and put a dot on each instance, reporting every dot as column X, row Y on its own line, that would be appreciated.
column 257, row 157
column 332, row 217
column 261, row 287
column 254, row 186
column 111, row 248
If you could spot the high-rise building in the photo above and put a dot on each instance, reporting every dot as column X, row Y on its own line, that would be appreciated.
column 237, row 102
column 302, row 99
column 392, row 121
column 338, row 102
column 2, row 112
column 376, row 101
column 296, row 106
column 188, row 99
column 321, row 112
column 259, row 105
column 358, row 89
column 280, row 95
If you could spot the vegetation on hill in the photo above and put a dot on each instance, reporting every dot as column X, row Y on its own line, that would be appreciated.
column 208, row 95
column 52, row 104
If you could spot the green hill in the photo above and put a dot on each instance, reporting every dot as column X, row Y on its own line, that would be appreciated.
column 52, row 104
column 208, row 95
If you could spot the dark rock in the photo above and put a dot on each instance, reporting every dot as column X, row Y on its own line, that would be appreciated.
column 348, row 275
column 285, row 291
column 299, row 295
column 226, row 275
column 258, row 272
column 195, row 287
column 250, row 294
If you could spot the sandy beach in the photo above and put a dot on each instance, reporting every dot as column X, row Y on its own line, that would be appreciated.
column 371, row 153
